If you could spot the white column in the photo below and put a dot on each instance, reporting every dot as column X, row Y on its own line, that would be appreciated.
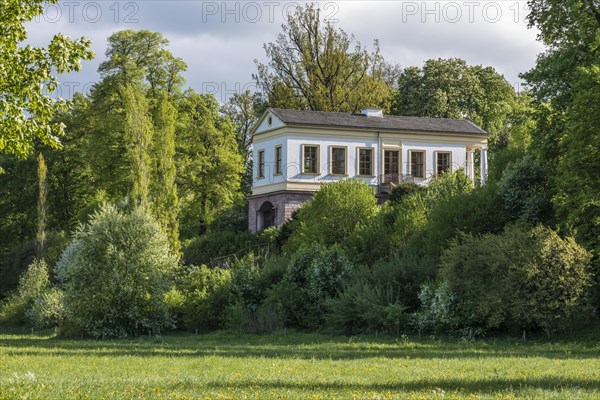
column 470, row 167
column 484, row 164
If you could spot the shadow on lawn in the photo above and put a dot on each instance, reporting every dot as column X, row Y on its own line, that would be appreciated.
column 486, row 386
column 306, row 347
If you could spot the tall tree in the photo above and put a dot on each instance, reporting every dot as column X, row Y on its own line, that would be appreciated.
column 142, row 56
column 570, row 30
column 566, row 83
column 314, row 66
column 40, row 242
column 452, row 89
column 244, row 110
column 138, row 136
column 134, row 58
column 165, row 202
column 27, row 76
column 209, row 163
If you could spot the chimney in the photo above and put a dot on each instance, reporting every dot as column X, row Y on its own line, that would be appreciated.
column 372, row 112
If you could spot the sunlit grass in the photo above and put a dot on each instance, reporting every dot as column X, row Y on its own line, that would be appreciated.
column 228, row 366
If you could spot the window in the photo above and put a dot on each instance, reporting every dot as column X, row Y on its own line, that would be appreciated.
column 278, row 160
column 338, row 161
column 310, row 159
column 442, row 163
column 261, row 164
column 391, row 166
column 417, row 164
column 365, row 162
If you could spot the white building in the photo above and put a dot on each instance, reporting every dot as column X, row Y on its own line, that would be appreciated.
column 295, row 151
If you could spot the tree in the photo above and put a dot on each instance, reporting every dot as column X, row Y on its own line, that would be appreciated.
column 41, row 208
column 314, row 66
column 244, row 110
column 115, row 275
column 569, row 29
column 165, row 202
column 524, row 190
column 135, row 56
column 138, row 137
column 577, row 202
column 209, row 164
column 565, row 85
column 452, row 89
column 27, row 75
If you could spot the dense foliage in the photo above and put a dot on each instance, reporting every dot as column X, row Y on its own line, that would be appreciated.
column 115, row 275
column 28, row 78
column 519, row 253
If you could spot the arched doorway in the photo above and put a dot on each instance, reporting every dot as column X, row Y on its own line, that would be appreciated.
column 266, row 216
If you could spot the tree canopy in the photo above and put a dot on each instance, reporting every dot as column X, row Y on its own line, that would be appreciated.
column 450, row 88
column 314, row 66
column 27, row 77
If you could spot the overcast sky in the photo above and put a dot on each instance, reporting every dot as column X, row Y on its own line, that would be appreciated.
column 219, row 40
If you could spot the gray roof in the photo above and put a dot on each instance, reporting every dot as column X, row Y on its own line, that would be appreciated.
column 385, row 123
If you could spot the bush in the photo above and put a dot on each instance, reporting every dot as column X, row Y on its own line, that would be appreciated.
column 313, row 277
column 404, row 189
column 15, row 263
column 379, row 298
column 233, row 219
column 206, row 293
column 478, row 211
column 540, row 281
column 448, row 185
column 47, row 310
column 32, row 284
column 374, row 239
column 525, row 191
column 553, row 286
column 115, row 275
column 202, row 249
column 332, row 214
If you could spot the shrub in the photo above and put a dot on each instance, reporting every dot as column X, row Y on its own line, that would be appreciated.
column 469, row 266
column 553, row 285
column 15, row 263
column 373, row 239
column 332, row 214
column 540, row 281
column 245, row 282
column 313, row 276
column 404, row 189
column 207, row 295
column 478, row 211
column 32, row 284
column 525, row 191
column 233, row 219
column 379, row 298
column 116, row 273
column 47, row 310
column 448, row 185
column 202, row 249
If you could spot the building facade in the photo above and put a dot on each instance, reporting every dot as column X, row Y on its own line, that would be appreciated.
column 296, row 151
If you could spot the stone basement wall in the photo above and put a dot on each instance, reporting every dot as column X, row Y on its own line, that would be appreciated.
column 285, row 203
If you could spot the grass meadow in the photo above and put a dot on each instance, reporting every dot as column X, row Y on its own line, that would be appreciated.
column 295, row 366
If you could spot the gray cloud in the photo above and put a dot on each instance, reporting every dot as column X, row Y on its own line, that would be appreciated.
column 219, row 40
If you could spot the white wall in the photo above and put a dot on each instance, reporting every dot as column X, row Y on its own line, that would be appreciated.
column 265, row 126
column 292, row 158
column 269, row 147
column 458, row 158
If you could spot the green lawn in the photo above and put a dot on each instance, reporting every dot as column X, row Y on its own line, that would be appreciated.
column 228, row 366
